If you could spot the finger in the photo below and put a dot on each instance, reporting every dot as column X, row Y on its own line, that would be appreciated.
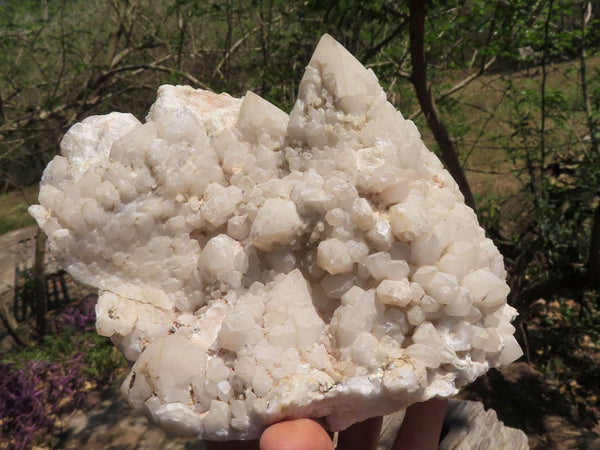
column 362, row 435
column 300, row 434
column 422, row 426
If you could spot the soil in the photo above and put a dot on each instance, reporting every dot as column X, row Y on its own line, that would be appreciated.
column 523, row 398
column 553, row 397
column 520, row 394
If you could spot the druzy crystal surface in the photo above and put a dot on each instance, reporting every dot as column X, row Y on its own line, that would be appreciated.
column 255, row 266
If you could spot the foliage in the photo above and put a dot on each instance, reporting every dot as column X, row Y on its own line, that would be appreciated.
column 517, row 84
column 80, row 317
column 34, row 397
column 490, row 210
column 42, row 383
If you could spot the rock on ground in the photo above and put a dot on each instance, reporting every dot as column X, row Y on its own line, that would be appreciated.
column 471, row 427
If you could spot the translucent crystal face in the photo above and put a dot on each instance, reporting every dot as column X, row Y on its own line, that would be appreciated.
column 258, row 267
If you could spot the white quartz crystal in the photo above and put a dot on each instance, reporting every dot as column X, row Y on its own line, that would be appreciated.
column 256, row 266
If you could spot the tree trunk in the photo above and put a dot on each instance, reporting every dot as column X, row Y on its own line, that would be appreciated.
column 419, row 80
column 41, row 305
column 593, row 263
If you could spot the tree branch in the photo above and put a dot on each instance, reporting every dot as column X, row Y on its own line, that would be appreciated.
column 189, row 77
column 545, row 288
column 234, row 47
column 9, row 321
column 461, row 84
column 374, row 50
column 419, row 80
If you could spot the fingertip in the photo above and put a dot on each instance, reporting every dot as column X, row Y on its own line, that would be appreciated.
column 300, row 434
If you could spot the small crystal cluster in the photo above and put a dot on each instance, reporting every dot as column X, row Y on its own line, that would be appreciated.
column 258, row 266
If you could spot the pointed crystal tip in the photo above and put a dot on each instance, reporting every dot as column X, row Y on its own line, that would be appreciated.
column 341, row 72
column 258, row 117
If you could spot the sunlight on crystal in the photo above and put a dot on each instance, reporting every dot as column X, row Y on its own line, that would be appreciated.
column 257, row 266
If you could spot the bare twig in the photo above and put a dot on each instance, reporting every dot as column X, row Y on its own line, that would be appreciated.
column 465, row 82
column 540, row 190
column 233, row 48
column 159, row 68
column 374, row 50
column 9, row 321
column 525, row 340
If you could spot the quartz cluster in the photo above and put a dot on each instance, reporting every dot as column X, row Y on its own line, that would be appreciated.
column 257, row 266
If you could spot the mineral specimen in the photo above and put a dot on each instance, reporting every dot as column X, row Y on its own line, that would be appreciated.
column 258, row 267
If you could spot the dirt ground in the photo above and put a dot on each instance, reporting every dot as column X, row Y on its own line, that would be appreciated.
column 520, row 395
column 552, row 419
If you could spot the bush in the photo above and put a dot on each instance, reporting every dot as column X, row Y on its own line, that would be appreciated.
column 43, row 382
column 34, row 397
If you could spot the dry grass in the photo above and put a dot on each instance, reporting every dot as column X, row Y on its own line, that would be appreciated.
column 481, row 119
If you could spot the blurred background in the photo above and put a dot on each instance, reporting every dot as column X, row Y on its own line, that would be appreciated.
column 507, row 93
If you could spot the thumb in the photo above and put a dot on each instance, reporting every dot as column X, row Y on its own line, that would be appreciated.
column 300, row 434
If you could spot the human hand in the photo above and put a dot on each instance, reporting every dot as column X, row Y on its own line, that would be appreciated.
column 420, row 430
